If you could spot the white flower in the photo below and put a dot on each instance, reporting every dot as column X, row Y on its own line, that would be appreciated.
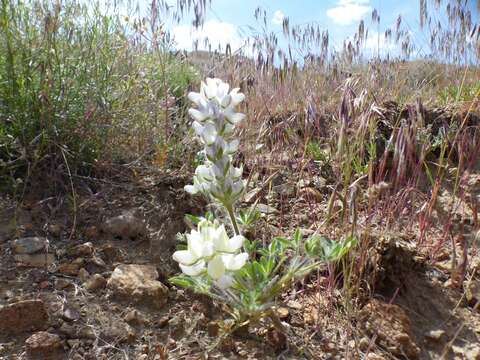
column 210, row 248
column 223, row 243
column 214, row 100
column 221, row 265
column 215, row 119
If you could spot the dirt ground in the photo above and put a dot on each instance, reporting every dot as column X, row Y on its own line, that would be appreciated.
column 414, row 307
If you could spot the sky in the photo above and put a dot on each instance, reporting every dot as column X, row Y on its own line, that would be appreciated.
column 229, row 21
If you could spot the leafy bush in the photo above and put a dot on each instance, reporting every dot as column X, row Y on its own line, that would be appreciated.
column 78, row 85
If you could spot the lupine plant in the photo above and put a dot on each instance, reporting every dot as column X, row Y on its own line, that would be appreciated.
column 231, row 269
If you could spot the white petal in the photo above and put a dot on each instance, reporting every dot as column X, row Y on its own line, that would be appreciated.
column 233, row 117
column 193, row 270
column 236, row 242
column 216, row 268
column 236, row 172
column 195, row 97
column 191, row 189
column 198, row 128
column 237, row 97
column 204, row 172
column 224, row 282
column 209, row 134
column 238, row 187
column 234, row 262
column 220, row 240
column 218, row 172
column 210, row 88
column 184, row 257
column 233, row 146
column 222, row 90
column 197, row 115
column 195, row 243
column 225, row 101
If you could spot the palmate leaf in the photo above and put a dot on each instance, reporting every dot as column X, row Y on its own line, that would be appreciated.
column 198, row 284
column 328, row 250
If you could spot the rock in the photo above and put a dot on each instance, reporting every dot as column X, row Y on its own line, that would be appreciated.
column 213, row 328
column 44, row 346
column 468, row 352
column 472, row 292
column 373, row 356
column 95, row 282
column 68, row 330
column 63, row 284
column 85, row 249
column 391, row 326
column 6, row 347
column 311, row 194
column 110, row 253
column 435, row 335
column 303, row 183
column 23, row 316
column 30, row 245
column 70, row 314
column 137, row 283
column 285, row 190
column 83, row 275
column 319, row 182
column 118, row 331
column 125, row 226
column 34, row 260
column 87, row 332
column 97, row 262
column 55, row 230
column 282, row 313
column 266, row 209
column 163, row 321
column 70, row 269
column 252, row 195
column 364, row 343
column 92, row 233
column 276, row 339
column 73, row 343
column 134, row 317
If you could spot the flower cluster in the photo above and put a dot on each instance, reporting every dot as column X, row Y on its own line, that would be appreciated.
column 210, row 250
column 214, row 122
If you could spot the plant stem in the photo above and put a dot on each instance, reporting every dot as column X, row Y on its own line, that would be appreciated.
column 232, row 218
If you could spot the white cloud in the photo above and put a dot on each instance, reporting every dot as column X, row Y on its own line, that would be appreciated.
column 217, row 33
column 373, row 42
column 349, row 11
column 278, row 17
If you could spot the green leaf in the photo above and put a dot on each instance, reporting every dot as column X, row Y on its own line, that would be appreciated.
column 182, row 281
column 328, row 250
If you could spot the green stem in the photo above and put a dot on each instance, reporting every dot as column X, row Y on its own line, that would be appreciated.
column 232, row 218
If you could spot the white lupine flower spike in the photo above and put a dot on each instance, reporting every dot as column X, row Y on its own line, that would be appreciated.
column 214, row 121
column 211, row 251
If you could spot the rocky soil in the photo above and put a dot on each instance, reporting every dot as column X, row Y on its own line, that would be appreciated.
column 91, row 283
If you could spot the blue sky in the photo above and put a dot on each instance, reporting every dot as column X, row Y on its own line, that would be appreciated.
column 230, row 21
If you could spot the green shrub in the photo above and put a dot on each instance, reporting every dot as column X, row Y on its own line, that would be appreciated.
column 78, row 85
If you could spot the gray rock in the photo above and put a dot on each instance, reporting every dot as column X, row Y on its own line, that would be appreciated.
column 35, row 260
column 30, row 245
column 95, row 282
column 266, row 209
column 125, row 226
